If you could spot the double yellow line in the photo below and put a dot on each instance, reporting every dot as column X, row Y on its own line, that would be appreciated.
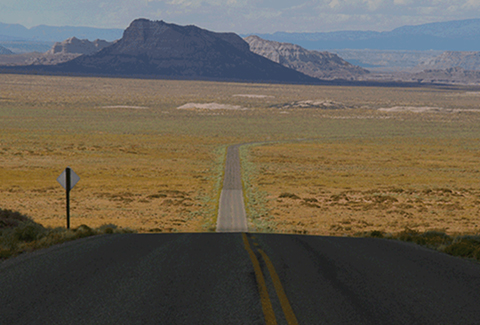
column 262, row 287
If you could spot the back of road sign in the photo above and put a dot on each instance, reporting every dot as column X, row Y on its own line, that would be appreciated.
column 62, row 179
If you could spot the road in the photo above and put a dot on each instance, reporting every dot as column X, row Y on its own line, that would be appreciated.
column 235, row 278
column 231, row 208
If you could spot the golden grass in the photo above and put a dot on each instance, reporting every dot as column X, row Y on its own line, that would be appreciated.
column 146, row 165
column 142, row 182
column 349, row 186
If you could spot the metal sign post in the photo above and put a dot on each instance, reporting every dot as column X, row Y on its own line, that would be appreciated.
column 68, row 179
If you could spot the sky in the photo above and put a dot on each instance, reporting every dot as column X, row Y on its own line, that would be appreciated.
column 241, row 16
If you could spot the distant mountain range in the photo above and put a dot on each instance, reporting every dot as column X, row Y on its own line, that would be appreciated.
column 162, row 50
column 43, row 33
column 461, row 35
column 159, row 49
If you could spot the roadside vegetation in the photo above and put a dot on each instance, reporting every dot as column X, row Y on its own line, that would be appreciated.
column 255, row 200
column 466, row 246
column 20, row 234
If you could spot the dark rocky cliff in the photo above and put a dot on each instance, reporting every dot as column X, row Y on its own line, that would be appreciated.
column 156, row 48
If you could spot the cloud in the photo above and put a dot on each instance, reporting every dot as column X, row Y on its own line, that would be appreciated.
column 472, row 4
column 204, row 3
column 242, row 16
column 263, row 14
column 373, row 4
column 334, row 4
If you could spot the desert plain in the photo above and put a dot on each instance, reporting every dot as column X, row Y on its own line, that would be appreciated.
column 323, row 160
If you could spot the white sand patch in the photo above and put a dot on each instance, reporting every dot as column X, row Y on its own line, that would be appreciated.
column 124, row 106
column 472, row 93
column 211, row 106
column 253, row 96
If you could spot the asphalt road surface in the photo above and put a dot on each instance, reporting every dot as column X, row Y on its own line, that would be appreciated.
column 228, row 278
column 231, row 208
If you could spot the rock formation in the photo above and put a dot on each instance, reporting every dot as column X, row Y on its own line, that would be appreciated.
column 156, row 48
column 68, row 50
column 75, row 45
column 323, row 65
column 4, row 50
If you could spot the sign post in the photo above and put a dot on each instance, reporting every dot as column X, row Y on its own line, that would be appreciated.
column 68, row 179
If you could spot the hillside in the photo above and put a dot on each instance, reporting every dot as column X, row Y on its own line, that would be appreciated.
column 446, row 76
column 451, row 59
column 323, row 65
column 156, row 48
column 4, row 50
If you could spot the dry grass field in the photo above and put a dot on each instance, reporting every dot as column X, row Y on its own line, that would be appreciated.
column 360, row 185
column 382, row 158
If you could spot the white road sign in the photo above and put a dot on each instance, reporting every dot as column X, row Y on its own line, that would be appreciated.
column 62, row 179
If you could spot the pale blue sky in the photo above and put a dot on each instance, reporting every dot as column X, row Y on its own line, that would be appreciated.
column 241, row 16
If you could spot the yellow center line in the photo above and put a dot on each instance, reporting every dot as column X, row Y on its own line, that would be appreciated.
column 287, row 309
column 262, row 286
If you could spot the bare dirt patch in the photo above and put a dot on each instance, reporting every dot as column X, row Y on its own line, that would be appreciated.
column 411, row 109
column 126, row 106
column 211, row 106
column 426, row 109
column 253, row 96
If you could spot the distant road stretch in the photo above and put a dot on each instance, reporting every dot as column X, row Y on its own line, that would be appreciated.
column 217, row 278
column 231, row 208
